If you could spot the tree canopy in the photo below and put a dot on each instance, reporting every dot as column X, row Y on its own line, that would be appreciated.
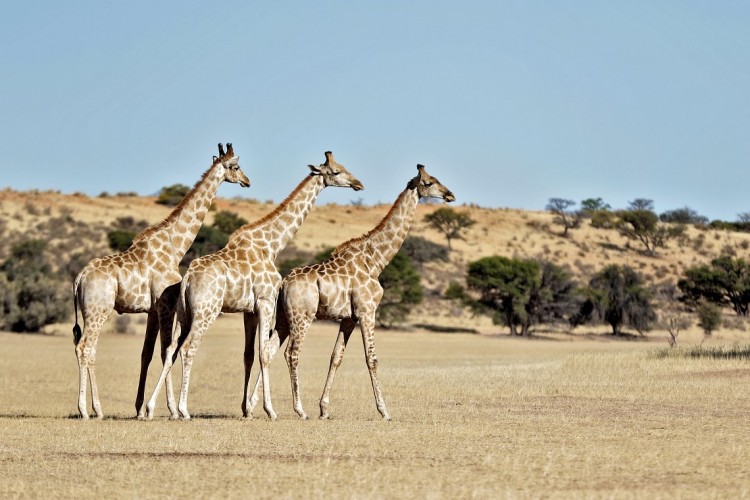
column 449, row 222
column 564, row 213
column 617, row 296
column 725, row 281
column 520, row 293
column 643, row 225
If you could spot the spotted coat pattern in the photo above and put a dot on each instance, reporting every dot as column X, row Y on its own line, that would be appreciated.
column 242, row 277
column 346, row 288
column 144, row 278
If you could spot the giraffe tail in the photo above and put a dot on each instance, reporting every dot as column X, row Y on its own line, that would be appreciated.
column 77, row 333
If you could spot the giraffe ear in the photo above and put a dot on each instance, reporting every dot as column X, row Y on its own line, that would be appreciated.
column 314, row 170
column 216, row 159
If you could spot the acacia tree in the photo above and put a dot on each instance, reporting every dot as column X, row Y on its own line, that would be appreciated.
column 643, row 225
column 726, row 281
column 519, row 293
column 591, row 205
column 617, row 296
column 402, row 289
column 449, row 222
column 564, row 214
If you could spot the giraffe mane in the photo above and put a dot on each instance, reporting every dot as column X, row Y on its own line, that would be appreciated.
column 176, row 211
column 276, row 211
column 377, row 228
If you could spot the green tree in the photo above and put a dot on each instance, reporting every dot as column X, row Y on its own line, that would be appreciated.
column 402, row 289
column 643, row 225
column 683, row 215
column 31, row 295
column 555, row 297
column 503, row 285
column 564, row 214
column 228, row 222
column 208, row 240
column 323, row 255
column 725, row 281
column 172, row 195
column 449, row 222
column 709, row 318
column 617, row 296
column 422, row 250
column 641, row 204
column 120, row 240
column 591, row 205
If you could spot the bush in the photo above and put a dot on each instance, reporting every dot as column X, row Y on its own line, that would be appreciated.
column 208, row 240
column 402, row 289
column 228, row 222
column 172, row 195
column 32, row 296
column 421, row 250
column 120, row 240
column 709, row 318
column 683, row 215
column 285, row 266
column 603, row 219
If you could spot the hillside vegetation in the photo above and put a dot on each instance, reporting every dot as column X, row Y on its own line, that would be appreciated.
column 75, row 228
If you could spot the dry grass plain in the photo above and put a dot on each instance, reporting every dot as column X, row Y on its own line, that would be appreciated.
column 474, row 416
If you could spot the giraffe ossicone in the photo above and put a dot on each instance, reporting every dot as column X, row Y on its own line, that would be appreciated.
column 242, row 277
column 144, row 278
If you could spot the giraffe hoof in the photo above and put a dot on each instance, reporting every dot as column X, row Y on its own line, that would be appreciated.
column 174, row 417
column 325, row 417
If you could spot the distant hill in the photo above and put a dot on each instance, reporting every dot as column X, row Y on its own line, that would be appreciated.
column 77, row 225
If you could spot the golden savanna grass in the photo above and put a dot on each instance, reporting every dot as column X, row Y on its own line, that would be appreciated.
column 483, row 416
column 474, row 416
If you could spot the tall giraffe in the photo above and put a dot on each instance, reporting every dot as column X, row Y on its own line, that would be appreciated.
column 143, row 278
column 346, row 288
column 242, row 277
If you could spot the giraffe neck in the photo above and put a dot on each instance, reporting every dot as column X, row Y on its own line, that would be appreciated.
column 279, row 227
column 180, row 228
column 386, row 238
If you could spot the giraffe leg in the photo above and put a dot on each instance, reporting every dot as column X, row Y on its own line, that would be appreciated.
column 169, row 358
column 266, row 308
column 152, row 329
column 86, row 355
column 187, row 352
column 277, row 339
column 251, row 328
column 367, row 325
column 297, row 331
column 168, row 304
column 345, row 331
column 97, row 406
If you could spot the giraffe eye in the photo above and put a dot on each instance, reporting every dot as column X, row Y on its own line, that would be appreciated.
column 335, row 172
column 428, row 184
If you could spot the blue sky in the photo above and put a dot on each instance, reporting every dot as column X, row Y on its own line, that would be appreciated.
column 509, row 103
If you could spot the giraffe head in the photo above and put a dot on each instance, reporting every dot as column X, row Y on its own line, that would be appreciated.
column 334, row 174
column 428, row 186
column 232, row 171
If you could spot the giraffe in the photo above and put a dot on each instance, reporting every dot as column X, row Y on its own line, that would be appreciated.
column 143, row 278
column 242, row 277
column 345, row 287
